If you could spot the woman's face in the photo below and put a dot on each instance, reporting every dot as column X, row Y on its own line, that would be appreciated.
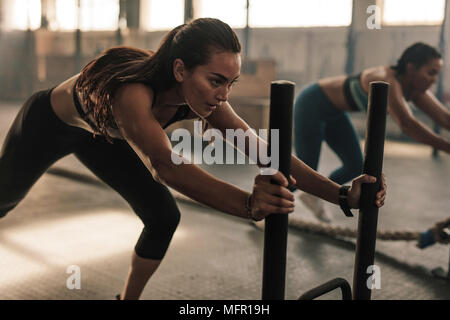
column 207, row 86
column 425, row 76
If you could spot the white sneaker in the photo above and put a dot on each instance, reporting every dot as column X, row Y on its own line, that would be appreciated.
column 316, row 205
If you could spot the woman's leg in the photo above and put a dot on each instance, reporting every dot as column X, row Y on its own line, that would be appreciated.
column 308, row 126
column 141, row 270
column 312, row 110
column 36, row 139
column 343, row 139
column 119, row 166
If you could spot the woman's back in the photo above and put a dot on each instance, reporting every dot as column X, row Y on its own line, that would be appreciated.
column 334, row 86
column 62, row 103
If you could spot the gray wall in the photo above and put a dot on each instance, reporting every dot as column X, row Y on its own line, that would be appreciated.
column 301, row 54
column 307, row 54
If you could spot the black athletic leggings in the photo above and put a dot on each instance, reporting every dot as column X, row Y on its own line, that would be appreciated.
column 38, row 138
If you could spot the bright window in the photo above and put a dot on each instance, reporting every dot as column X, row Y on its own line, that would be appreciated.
column 22, row 14
column 300, row 13
column 161, row 14
column 65, row 15
column 94, row 15
column 232, row 12
column 99, row 14
column 413, row 12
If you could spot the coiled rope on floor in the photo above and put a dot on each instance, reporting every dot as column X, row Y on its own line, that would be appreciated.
column 439, row 233
column 436, row 234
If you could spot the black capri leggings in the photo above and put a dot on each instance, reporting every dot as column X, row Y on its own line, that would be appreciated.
column 38, row 138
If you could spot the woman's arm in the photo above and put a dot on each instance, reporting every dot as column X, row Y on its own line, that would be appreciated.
column 401, row 113
column 429, row 104
column 306, row 178
column 132, row 112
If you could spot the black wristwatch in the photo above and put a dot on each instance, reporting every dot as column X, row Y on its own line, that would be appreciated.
column 343, row 200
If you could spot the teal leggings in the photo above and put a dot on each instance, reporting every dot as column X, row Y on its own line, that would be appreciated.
column 316, row 119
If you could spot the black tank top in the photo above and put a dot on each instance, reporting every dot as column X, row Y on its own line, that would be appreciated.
column 112, row 128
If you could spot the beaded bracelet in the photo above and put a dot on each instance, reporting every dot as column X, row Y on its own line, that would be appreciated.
column 248, row 207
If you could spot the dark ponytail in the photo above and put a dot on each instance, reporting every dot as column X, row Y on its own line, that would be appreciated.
column 418, row 54
column 192, row 43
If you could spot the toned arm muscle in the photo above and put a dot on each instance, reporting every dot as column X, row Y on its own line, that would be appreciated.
column 410, row 125
column 132, row 111
column 307, row 179
column 429, row 104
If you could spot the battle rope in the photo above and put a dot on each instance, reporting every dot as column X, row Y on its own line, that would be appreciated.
column 439, row 233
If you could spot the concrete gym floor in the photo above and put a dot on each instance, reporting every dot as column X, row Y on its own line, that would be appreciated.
column 65, row 222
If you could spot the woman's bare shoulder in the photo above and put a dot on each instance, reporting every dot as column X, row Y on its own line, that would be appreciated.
column 133, row 94
column 380, row 73
column 132, row 104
